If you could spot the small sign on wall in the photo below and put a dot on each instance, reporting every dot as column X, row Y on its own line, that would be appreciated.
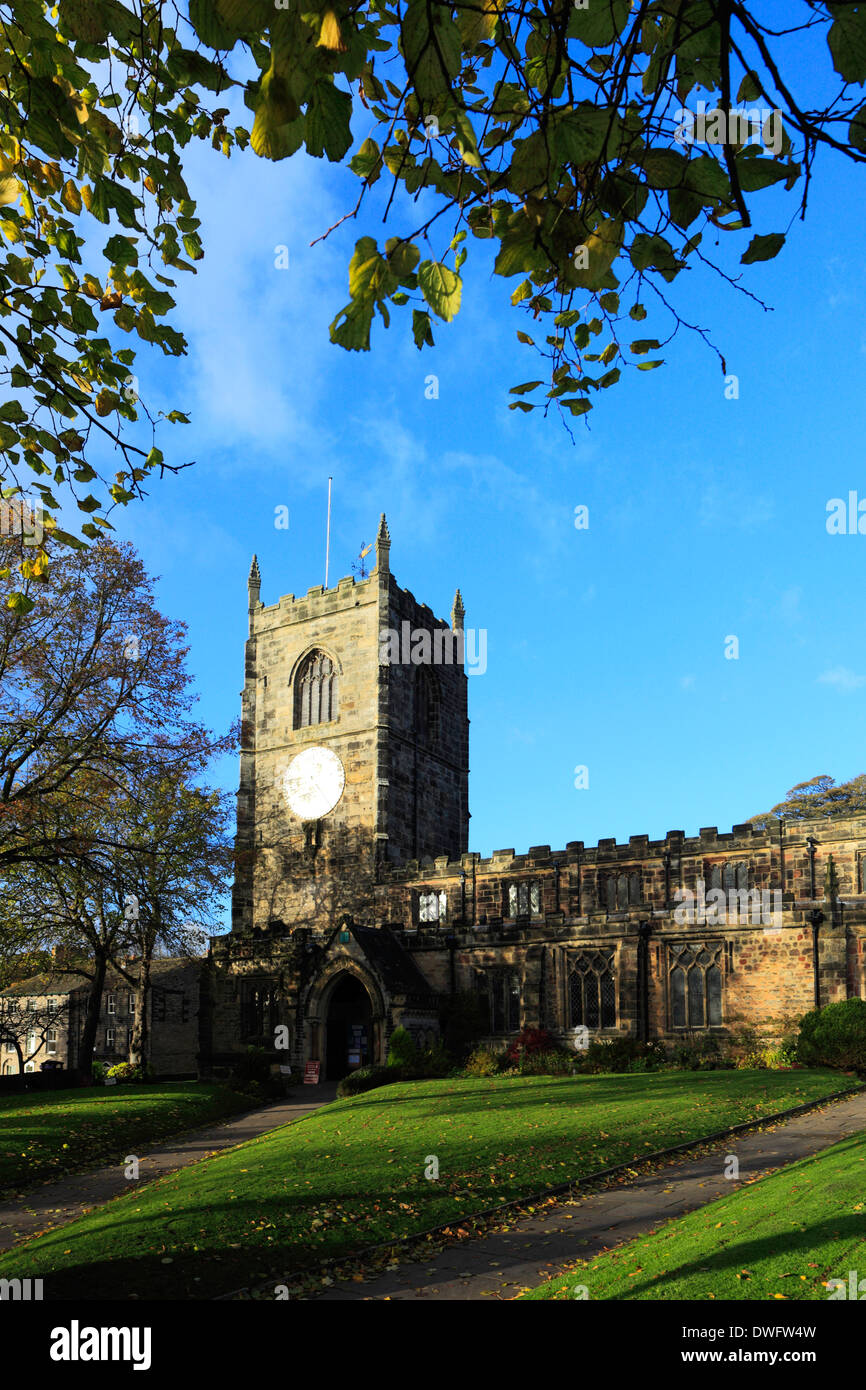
column 311, row 1073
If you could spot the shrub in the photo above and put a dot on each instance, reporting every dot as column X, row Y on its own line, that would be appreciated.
column 834, row 1036
column 700, row 1052
column 368, row 1078
column 251, row 1070
column 435, row 1061
column 528, row 1041
column 402, row 1051
column 130, row 1071
column 98, row 1071
column 619, row 1055
column 484, row 1061
column 557, row 1062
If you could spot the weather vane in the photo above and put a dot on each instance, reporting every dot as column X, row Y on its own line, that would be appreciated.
column 359, row 567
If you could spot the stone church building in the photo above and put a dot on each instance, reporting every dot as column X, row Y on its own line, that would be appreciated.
column 358, row 907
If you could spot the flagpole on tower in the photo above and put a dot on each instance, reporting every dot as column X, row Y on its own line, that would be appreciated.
column 328, row 534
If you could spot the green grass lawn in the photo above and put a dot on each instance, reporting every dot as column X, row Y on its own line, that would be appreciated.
column 353, row 1174
column 52, row 1133
column 782, row 1237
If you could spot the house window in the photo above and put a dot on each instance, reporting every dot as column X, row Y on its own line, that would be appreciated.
column 524, row 899
column 695, row 974
column 52, row 1042
column 32, row 1042
column 131, row 1002
column 592, row 990
column 159, row 1006
column 501, row 989
column 258, row 1009
column 433, row 907
column 316, row 699
column 184, row 1010
column 110, row 1004
column 110, row 1035
column 52, row 1006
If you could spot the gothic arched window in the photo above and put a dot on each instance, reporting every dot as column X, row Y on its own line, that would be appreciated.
column 592, row 990
column 696, row 985
column 316, row 696
column 426, row 706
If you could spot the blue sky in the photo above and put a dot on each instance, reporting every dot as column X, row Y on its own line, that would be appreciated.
column 606, row 646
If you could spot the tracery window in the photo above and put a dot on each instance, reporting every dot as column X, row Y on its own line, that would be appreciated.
column 695, row 977
column 524, row 899
column 316, row 695
column 592, row 989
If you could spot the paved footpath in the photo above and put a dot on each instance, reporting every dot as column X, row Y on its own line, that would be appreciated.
column 55, row 1203
column 534, row 1249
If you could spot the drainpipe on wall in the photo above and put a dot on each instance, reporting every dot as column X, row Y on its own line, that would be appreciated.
column 811, row 852
column 644, row 929
column 815, row 917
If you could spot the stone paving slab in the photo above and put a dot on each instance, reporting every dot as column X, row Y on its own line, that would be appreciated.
column 502, row 1263
column 56, row 1203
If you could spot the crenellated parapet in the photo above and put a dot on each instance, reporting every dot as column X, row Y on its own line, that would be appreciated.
column 641, row 875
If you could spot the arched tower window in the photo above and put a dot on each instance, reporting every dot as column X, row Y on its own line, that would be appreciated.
column 316, row 695
column 426, row 706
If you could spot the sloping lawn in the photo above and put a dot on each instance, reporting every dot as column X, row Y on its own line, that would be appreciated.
column 353, row 1174
column 50, row 1134
column 785, row 1237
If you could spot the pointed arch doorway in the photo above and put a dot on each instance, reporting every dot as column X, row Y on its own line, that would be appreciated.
column 349, row 1040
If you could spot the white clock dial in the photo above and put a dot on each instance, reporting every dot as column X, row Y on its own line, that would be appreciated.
column 313, row 783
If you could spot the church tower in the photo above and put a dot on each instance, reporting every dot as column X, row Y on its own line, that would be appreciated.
column 354, row 747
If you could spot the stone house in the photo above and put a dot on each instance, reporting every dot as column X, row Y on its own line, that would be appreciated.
column 46, row 1015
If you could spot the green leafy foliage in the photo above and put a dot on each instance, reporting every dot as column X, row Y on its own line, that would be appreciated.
column 558, row 134
column 820, row 796
column 401, row 1048
column 834, row 1036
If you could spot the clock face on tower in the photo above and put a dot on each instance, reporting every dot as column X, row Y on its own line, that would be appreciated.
column 313, row 783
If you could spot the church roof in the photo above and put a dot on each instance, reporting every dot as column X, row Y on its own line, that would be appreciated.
column 392, row 962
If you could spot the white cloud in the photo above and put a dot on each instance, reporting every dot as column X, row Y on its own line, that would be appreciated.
column 842, row 678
